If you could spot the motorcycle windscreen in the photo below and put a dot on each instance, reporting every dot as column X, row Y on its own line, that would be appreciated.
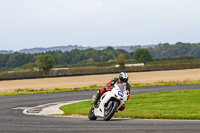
column 122, row 86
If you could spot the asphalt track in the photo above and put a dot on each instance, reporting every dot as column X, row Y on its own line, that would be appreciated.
column 14, row 121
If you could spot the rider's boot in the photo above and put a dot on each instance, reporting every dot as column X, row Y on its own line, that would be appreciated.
column 95, row 99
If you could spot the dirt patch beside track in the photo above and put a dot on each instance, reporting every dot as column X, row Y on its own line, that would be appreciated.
column 99, row 80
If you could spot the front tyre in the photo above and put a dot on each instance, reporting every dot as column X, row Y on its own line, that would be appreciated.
column 109, row 115
column 91, row 115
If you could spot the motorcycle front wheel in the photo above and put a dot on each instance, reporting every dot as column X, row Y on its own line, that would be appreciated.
column 91, row 115
column 108, row 114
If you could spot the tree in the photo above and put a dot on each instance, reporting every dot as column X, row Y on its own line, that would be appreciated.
column 103, row 58
column 143, row 55
column 134, row 48
column 121, row 60
column 3, row 59
column 27, row 66
column 90, row 60
column 44, row 62
column 15, row 60
column 11, row 62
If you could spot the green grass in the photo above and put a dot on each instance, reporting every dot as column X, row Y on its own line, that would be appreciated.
column 162, row 83
column 81, row 108
column 162, row 105
column 32, row 91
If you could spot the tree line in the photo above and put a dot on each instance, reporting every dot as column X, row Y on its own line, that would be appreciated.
column 8, row 61
column 178, row 49
column 75, row 56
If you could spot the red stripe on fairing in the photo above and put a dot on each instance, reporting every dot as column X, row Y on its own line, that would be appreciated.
column 101, row 91
column 129, row 94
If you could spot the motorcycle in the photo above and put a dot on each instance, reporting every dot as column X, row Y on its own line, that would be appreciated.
column 109, row 103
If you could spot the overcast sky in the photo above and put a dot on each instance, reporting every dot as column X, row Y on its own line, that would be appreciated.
column 46, row 23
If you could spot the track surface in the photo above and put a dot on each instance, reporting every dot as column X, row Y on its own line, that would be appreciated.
column 13, row 120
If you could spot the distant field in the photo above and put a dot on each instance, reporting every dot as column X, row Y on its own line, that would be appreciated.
column 99, row 80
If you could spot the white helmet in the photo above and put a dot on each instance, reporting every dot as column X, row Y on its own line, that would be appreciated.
column 123, row 77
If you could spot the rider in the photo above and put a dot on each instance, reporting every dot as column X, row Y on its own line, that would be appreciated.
column 123, row 78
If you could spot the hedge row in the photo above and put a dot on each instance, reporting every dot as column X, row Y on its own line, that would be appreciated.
column 182, row 58
column 93, row 71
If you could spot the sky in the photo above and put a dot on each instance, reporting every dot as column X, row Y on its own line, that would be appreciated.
column 47, row 23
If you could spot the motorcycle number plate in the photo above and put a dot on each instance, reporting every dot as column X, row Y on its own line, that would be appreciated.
column 120, row 93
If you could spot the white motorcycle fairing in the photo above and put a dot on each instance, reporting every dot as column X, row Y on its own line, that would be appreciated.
column 117, row 94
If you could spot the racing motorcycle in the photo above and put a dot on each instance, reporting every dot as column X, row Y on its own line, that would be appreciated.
column 109, row 103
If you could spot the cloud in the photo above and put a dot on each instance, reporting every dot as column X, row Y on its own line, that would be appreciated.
column 43, row 23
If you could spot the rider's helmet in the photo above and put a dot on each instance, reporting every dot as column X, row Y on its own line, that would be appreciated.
column 123, row 77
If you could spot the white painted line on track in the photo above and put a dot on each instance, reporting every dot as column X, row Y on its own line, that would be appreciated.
column 49, row 108
column 22, row 108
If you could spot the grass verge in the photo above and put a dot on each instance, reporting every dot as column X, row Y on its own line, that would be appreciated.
column 161, row 105
column 33, row 91
column 164, row 83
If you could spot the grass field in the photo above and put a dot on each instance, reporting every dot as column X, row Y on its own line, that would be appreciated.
column 138, row 78
column 161, row 105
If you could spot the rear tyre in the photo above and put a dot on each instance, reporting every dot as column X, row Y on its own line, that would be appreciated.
column 109, row 115
column 91, row 115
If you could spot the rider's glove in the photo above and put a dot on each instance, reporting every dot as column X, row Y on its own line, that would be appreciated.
column 112, row 83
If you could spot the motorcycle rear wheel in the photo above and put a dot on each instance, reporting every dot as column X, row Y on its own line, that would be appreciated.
column 113, row 110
